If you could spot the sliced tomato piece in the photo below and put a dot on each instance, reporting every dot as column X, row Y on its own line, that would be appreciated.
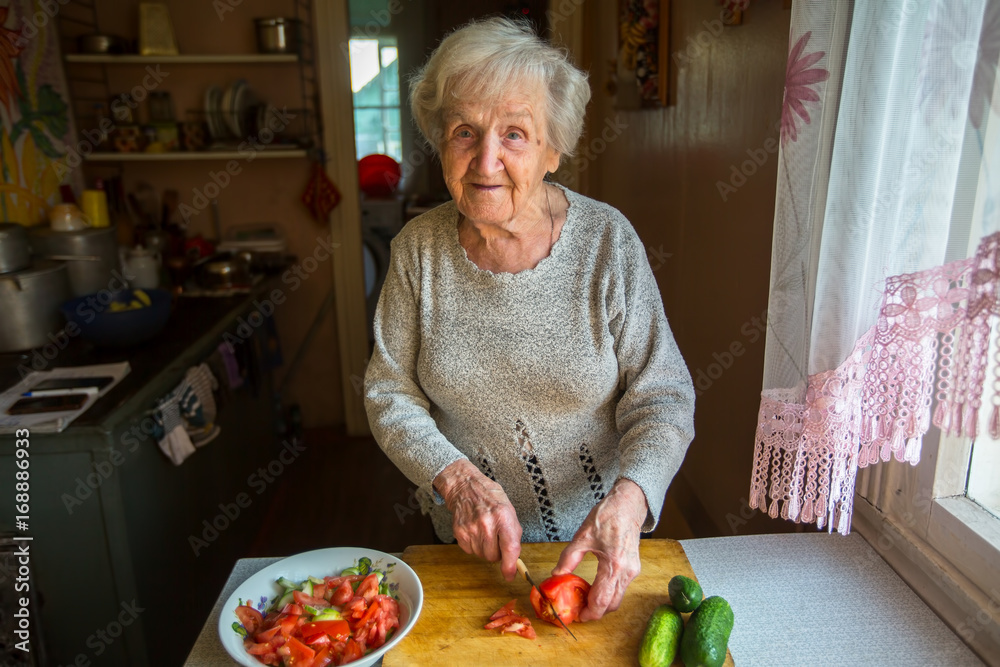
column 267, row 635
column 324, row 657
column 287, row 625
column 352, row 651
column 568, row 594
column 292, row 609
column 368, row 588
column 338, row 630
column 315, row 639
column 319, row 591
column 502, row 621
column 523, row 628
column 296, row 654
column 253, row 648
column 333, row 582
column 303, row 599
column 250, row 618
column 342, row 594
column 505, row 610
column 355, row 608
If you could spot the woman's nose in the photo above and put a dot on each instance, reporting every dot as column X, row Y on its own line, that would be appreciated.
column 487, row 160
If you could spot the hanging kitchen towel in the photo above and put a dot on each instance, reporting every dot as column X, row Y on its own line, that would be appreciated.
column 169, row 431
column 222, row 390
column 197, row 404
column 233, row 375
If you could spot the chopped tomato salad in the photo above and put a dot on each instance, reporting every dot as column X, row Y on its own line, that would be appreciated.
column 568, row 595
column 320, row 622
column 506, row 619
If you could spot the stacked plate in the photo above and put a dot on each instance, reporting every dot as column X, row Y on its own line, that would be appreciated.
column 233, row 113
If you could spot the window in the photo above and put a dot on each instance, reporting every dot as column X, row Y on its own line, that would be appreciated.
column 375, row 83
column 938, row 524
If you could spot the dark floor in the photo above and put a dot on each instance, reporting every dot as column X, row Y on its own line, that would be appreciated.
column 341, row 491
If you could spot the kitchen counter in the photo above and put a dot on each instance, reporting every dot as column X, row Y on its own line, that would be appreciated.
column 799, row 599
column 115, row 523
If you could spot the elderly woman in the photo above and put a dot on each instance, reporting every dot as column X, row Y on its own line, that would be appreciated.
column 524, row 375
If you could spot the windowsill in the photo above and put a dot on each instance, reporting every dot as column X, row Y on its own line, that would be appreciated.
column 969, row 538
column 936, row 568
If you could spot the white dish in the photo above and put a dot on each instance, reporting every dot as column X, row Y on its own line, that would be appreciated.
column 235, row 97
column 321, row 563
column 213, row 97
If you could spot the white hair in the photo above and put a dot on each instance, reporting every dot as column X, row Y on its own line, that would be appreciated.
column 485, row 60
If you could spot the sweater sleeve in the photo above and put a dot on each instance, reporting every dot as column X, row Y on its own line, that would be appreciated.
column 398, row 409
column 655, row 414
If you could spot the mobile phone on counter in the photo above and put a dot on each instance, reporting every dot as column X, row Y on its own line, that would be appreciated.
column 40, row 404
column 54, row 384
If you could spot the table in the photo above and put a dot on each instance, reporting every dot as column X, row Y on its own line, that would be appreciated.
column 799, row 599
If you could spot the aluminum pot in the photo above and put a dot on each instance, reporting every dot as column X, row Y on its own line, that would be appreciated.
column 15, row 254
column 91, row 254
column 29, row 302
column 278, row 35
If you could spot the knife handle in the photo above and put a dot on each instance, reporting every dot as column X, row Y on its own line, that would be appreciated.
column 522, row 569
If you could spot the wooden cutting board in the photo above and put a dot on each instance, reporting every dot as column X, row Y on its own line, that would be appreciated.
column 461, row 591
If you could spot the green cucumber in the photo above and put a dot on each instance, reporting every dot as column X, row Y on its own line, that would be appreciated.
column 287, row 583
column 707, row 634
column 330, row 614
column 287, row 598
column 307, row 587
column 663, row 634
column 685, row 593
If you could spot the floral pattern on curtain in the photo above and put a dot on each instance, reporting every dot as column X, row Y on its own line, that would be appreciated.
column 882, row 100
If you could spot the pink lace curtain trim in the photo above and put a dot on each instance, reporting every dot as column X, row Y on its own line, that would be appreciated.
column 877, row 404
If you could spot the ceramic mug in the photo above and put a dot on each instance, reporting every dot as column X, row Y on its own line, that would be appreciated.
column 67, row 218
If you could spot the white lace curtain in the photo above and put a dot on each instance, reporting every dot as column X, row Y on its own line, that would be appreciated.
column 886, row 169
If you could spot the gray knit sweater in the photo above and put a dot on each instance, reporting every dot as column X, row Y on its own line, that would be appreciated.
column 555, row 381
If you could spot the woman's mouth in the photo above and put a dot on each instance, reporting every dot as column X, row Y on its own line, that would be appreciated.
column 485, row 188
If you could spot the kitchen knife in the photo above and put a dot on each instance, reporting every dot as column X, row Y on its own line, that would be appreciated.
column 523, row 569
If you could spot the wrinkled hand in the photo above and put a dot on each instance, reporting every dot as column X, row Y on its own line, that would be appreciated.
column 611, row 532
column 484, row 520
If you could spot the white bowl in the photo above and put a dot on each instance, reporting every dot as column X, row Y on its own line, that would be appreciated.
column 321, row 563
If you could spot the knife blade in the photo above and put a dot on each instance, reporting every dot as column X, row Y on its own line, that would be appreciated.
column 523, row 569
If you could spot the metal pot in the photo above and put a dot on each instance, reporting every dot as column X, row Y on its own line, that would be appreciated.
column 97, row 43
column 93, row 263
column 29, row 301
column 278, row 35
column 15, row 254
column 223, row 271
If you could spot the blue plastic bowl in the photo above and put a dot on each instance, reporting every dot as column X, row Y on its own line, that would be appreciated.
column 102, row 326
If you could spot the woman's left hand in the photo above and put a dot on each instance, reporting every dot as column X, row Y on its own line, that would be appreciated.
column 611, row 532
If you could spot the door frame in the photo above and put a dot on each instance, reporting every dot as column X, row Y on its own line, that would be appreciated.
column 332, row 19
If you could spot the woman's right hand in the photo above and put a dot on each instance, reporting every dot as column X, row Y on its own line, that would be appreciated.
column 484, row 520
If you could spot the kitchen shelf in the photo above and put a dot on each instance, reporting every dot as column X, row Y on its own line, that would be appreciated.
column 194, row 155
column 184, row 59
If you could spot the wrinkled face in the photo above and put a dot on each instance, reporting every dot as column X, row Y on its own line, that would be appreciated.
column 495, row 156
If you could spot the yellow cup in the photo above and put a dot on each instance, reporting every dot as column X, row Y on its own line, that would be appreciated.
column 95, row 207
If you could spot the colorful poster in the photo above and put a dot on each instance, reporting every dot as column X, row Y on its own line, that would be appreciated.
column 36, row 125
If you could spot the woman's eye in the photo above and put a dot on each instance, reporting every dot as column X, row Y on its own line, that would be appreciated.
column 463, row 134
column 513, row 135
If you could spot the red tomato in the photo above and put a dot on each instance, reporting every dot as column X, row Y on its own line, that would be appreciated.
column 311, row 600
column 253, row 648
column 292, row 609
column 267, row 635
column 352, row 652
column 339, row 630
column 324, row 657
column 368, row 588
column 342, row 594
column 296, row 653
column 568, row 594
column 250, row 618
column 505, row 610
column 319, row 591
